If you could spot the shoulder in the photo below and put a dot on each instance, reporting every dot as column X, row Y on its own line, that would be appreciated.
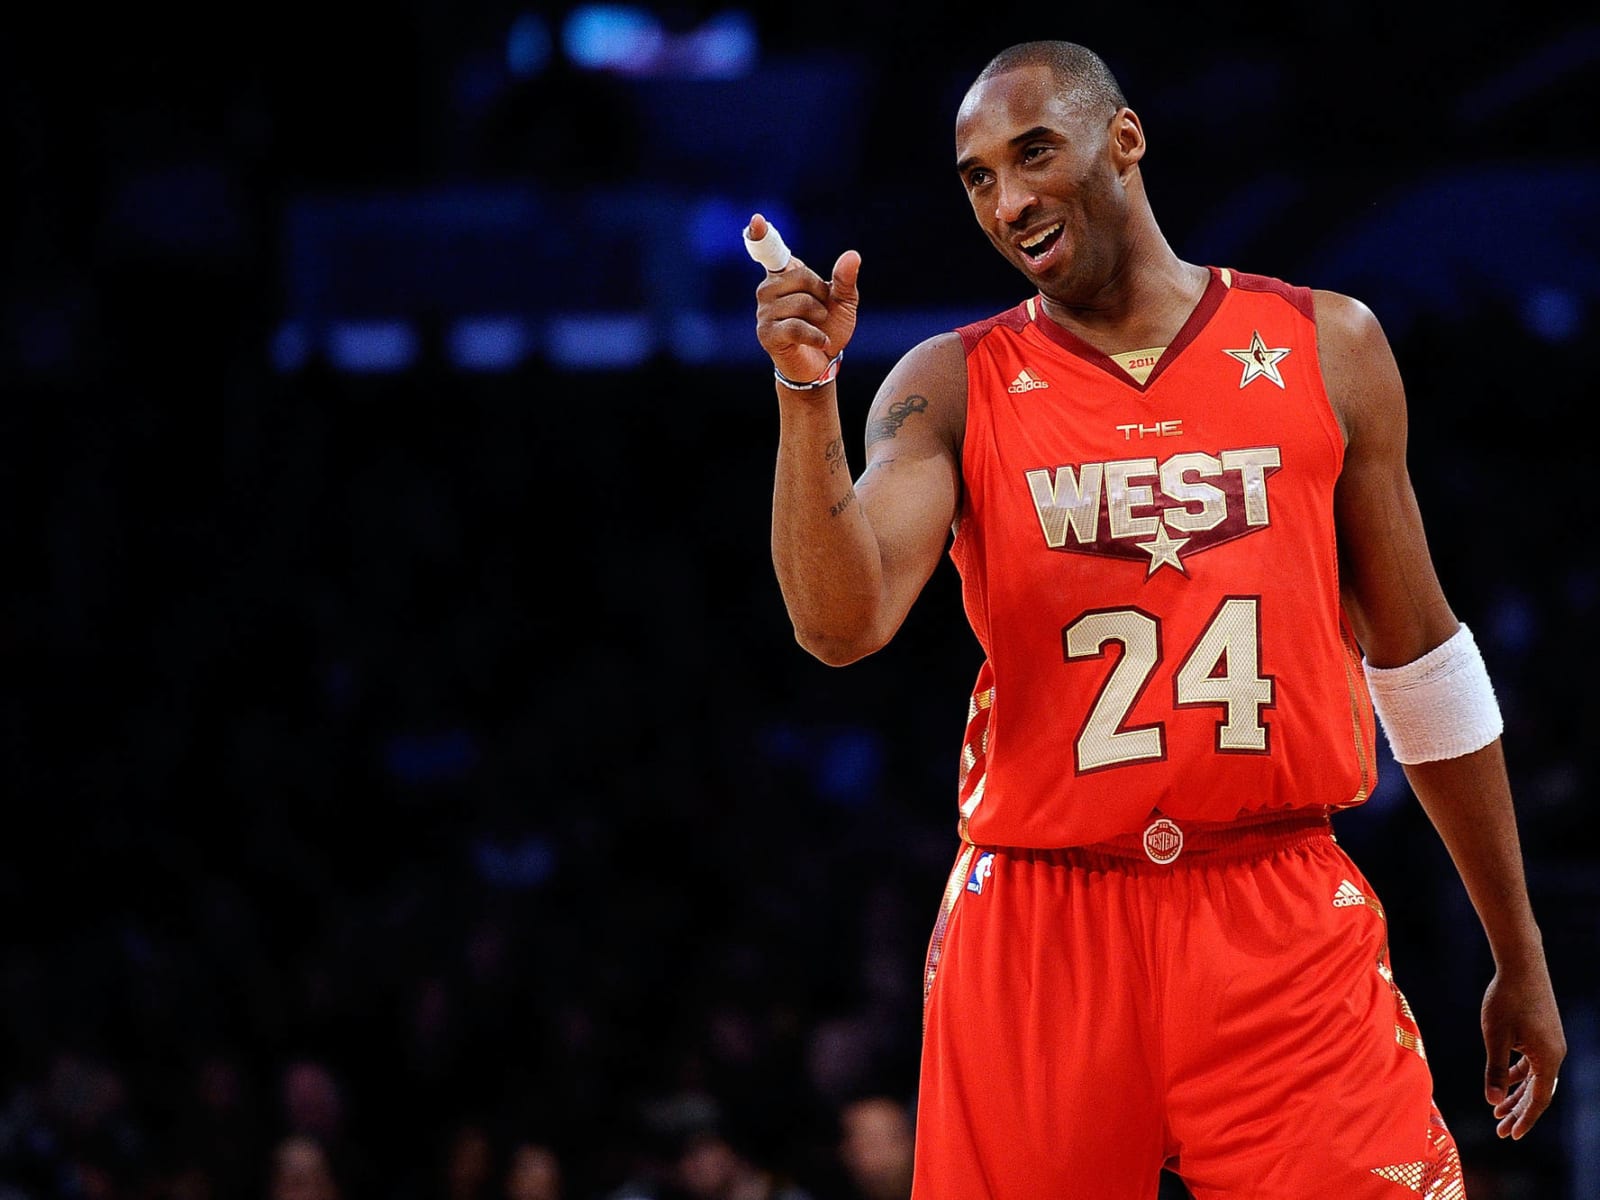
column 940, row 360
column 1344, row 323
column 1358, row 366
column 1016, row 318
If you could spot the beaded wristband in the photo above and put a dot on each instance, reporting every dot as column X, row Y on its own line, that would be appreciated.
column 829, row 374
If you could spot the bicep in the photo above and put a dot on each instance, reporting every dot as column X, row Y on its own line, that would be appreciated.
column 911, row 485
column 1390, row 588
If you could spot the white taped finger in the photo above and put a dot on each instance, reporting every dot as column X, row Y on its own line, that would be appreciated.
column 768, row 250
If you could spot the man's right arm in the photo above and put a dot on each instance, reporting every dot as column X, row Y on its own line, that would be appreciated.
column 852, row 557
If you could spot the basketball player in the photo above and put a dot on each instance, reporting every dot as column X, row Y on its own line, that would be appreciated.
column 1190, row 549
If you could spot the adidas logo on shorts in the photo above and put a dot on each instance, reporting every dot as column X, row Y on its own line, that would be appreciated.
column 1347, row 895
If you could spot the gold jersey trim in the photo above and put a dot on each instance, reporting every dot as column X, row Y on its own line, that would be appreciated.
column 947, row 904
column 1351, row 685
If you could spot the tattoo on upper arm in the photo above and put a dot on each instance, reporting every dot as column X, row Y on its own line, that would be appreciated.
column 888, row 425
column 845, row 501
column 834, row 454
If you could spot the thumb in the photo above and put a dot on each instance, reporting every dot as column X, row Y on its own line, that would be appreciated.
column 845, row 272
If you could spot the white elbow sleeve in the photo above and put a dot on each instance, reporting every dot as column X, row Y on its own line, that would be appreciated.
column 1440, row 706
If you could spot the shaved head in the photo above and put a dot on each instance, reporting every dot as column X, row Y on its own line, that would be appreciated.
column 1076, row 69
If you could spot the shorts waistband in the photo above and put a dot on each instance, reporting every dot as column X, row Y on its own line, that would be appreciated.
column 1165, row 841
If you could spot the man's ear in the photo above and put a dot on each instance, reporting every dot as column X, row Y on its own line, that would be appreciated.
column 1126, row 139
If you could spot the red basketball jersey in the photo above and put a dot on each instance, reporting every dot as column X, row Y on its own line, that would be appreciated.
column 1151, row 571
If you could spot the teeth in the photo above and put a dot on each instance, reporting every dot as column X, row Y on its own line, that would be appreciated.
column 1040, row 236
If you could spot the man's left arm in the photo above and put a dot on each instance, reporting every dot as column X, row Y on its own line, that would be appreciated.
column 1399, row 613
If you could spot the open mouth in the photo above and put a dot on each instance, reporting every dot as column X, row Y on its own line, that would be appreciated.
column 1041, row 243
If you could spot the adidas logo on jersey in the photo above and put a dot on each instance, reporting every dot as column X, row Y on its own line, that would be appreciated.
column 1347, row 895
column 1025, row 381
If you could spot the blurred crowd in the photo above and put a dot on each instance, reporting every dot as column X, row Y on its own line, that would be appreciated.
column 77, row 1136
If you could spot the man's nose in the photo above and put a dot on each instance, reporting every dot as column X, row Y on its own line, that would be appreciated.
column 1014, row 199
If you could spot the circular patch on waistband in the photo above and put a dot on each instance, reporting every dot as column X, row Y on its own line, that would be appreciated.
column 1163, row 841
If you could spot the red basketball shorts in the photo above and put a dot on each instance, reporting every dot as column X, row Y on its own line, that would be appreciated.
column 1092, row 1015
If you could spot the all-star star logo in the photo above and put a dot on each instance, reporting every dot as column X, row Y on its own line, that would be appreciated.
column 1260, row 361
column 1163, row 551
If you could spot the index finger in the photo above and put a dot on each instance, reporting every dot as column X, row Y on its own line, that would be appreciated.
column 765, row 244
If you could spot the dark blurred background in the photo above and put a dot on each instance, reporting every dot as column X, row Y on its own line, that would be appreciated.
column 413, row 787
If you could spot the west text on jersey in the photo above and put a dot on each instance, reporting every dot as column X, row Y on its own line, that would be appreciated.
column 1108, row 507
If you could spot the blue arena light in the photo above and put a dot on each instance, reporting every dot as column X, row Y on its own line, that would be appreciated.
column 489, row 343
column 363, row 347
column 694, row 338
column 612, row 37
column 1552, row 313
column 602, row 341
column 725, row 47
column 716, row 221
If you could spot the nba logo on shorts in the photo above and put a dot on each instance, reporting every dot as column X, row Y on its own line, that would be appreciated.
column 980, row 873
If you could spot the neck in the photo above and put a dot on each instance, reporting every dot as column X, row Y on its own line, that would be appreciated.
column 1144, row 298
column 1144, row 303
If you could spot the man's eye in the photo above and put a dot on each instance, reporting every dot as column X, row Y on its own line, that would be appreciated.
column 977, row 178
column 1033, row 152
